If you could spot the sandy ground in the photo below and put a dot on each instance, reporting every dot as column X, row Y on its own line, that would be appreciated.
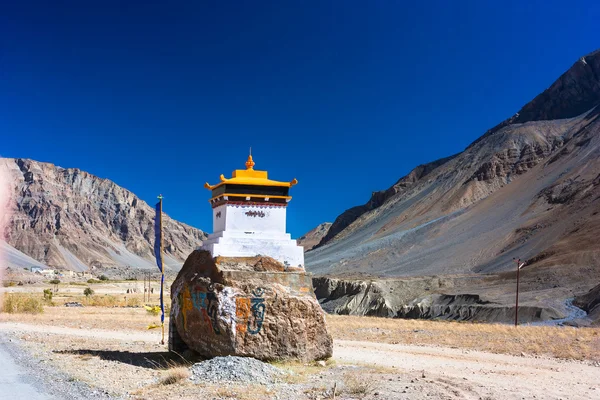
column 396, row 371
column 476, row 375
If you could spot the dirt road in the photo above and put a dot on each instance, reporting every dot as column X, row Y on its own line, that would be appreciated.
column 466, row 374
column 476, row 375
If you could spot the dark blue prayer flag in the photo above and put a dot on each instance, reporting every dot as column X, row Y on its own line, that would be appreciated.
column 158, row 254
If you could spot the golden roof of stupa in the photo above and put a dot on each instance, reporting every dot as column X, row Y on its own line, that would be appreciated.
column 249, row 176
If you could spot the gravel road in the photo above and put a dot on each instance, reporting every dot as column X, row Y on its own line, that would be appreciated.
column 15, row 381
column 24, row 377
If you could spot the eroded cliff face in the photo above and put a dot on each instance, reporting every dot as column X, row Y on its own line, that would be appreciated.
column 459, row 298
column 68, row 218
column 590, row 303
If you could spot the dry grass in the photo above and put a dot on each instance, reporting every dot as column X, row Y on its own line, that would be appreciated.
column 174, row 375
column 22, row 304
column 298, row 372
column 188, row 390
column 357, row 385
column 117, row 319
column 560, row 342
column 241, row 392
column 101, row 300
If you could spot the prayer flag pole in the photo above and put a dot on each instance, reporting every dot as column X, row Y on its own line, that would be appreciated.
column 158, row 250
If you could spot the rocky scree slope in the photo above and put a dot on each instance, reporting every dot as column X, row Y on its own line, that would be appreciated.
column 68, row 218
column 314, row 236
column 528, row 188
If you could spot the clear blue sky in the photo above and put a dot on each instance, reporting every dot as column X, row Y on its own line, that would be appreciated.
column 346, row 96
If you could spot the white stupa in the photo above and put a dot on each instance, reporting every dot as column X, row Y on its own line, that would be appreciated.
column 249, row 217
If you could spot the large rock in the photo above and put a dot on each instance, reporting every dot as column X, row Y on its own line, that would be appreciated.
column 253, row 307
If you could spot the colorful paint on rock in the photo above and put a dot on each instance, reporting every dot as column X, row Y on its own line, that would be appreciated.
column 245, row 314
column 258, row 311
column 242, row 314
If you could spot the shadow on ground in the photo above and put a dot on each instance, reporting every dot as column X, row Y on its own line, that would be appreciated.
column 151, row 360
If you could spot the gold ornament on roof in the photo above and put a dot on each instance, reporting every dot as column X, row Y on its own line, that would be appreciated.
column 250, row 163
column 250, row 176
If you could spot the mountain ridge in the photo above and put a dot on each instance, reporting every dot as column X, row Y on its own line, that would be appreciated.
column 399, row 230
column 68, row 218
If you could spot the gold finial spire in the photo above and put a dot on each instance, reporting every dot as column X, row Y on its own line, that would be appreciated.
column 250, row 163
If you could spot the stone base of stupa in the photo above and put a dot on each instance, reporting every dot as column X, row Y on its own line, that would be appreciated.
column 253, row 307
column 278, row 246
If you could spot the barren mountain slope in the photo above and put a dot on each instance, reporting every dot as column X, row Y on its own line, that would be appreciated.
column 314, row 236
column 527, row 188
column 67, row 218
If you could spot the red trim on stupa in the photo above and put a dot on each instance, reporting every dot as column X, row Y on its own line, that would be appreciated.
column 248, row 203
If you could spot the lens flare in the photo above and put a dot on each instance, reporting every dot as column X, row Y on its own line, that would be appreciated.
column 5, row 210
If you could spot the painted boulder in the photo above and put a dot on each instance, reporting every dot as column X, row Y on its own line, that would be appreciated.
column 251, row 306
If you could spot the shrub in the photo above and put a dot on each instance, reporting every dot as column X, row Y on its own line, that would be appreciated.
column 103, row 277
column 105, row 301
column 133, row 302
column 54, row 282
column 48, row 295
column 93, row 281
column 22, row 304
column 88, row 292
column 357, row 385
column 174, row 375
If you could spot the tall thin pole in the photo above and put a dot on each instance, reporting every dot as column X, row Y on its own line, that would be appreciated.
column 162, row 273
column 519, row 266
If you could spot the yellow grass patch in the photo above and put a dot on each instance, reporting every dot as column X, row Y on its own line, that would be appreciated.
column 22, row 304
column 561, row 342
column 117, row 319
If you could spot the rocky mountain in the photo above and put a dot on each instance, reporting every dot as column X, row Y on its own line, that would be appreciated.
column 68, row 218
column 314, row 236
column 528, row 188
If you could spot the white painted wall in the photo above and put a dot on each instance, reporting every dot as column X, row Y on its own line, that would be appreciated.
column 219, row 216
column 251, row 230
column 244, row 218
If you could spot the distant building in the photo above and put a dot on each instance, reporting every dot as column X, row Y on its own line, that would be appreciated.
column 48, row 272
